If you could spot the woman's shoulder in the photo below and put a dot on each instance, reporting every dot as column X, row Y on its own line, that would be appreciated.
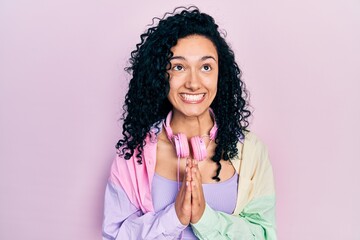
column 251, row 145
column 253, row 140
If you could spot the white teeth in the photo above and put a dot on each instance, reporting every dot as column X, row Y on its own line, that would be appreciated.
column 192, row 98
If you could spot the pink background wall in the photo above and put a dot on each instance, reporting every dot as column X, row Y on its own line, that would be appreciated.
column 62, row 84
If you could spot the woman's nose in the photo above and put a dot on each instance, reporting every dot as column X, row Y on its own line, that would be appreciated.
column 193, row 81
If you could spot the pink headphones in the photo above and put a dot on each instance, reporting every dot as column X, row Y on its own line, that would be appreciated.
column 197, row 143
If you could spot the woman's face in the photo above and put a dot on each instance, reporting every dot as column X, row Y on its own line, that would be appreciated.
column 193, row 75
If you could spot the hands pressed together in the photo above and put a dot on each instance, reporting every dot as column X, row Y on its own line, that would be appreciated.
column 190, row 201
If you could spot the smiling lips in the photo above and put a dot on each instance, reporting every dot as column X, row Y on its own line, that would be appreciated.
column 192, row 98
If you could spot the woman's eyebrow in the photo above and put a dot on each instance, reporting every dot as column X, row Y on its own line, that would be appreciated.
column 202, row 59
column 207, row 57
column 177, row 57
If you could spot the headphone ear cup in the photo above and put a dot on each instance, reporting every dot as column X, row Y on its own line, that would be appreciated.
column 181, row 145
column 198, row 148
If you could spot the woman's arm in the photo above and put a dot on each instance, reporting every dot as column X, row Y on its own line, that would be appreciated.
column 122, row 220
column 256, row 222
column 254, row 216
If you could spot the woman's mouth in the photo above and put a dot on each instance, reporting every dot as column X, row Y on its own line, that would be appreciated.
column 192, row 98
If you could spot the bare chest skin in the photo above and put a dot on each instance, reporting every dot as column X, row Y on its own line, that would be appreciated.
column 166, row 163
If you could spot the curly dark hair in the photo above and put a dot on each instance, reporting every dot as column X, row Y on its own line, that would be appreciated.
column 146, row 100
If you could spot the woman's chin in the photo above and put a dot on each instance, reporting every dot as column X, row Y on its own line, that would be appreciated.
column 191, row 111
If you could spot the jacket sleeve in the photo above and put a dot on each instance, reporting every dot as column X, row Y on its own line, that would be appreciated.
column 122, row 220
column 252, row 225
column 254, row 216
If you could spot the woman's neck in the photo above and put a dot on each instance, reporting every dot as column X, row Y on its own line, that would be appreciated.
column 191, row 126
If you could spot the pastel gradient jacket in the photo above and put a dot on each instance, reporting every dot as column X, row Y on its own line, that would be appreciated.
column 129, row 211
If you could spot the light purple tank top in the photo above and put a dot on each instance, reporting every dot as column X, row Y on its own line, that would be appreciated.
column 219, row 196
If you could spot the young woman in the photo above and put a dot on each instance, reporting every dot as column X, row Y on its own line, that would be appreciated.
column 187, row 167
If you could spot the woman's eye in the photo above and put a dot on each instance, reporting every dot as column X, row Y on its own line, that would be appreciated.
column 206, row 68
column 178, row 68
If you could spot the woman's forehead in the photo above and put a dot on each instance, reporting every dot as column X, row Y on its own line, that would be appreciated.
column 194, row 47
